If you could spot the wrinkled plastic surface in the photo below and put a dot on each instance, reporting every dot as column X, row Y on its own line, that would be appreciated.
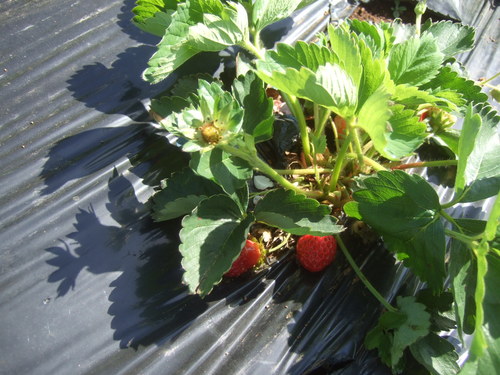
column 89, row 284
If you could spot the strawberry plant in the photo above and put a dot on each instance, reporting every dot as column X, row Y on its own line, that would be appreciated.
column 364, row 99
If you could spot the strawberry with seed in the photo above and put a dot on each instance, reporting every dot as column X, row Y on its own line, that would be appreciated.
column 248, row 258
column 315, row 253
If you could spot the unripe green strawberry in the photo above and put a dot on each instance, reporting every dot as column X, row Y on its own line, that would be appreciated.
column 249, row 257
column 315, row 253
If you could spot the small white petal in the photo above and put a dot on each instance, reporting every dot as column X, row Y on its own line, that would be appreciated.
column 262, row 182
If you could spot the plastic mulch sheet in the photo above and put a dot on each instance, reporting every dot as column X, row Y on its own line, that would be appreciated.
column 88, row 283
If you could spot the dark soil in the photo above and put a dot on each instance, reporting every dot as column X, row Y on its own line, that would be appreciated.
column 383, row 10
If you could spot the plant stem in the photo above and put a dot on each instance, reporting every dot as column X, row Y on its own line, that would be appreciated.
column 262, row 166
column 296, row 109
column 362, row 277
column 339, row 162
column 250, row 47
column 302, row 172
column 358, row 149
column 420, row 9
column 461, row 237
column 425, row 164
column 283, row 243
column 369, row 161
column 320, row 121
column 481, row 83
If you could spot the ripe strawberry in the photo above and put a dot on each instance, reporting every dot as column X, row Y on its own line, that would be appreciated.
column 249, row 257
column 315, row 253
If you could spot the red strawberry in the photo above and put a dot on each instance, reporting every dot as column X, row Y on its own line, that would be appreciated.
column 315, row 253
column 249, row 257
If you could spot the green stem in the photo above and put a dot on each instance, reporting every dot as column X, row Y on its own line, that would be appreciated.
column 303, row 171
column 260, row 165
column 420, row 9
column 357, row 148
column 320, row 123
column 362, row 277
column 296, row 109
column 283, row 243
column 369, row 161
column 250, row 47
column 339, row 162
column 460, row 237
column 481, row 83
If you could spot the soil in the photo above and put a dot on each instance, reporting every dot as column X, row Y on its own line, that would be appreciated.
column 383, row 11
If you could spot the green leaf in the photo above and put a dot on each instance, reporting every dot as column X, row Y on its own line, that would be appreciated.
column 345, row 46
column 478, row 169
column 197, row 25
column 415, row 61
column 229, row 172
column 404, row 209
column 375, row 36
column 437, row 355
column 374, row 75
column 296, row 214
column 489, row 361
column 266, row 12
column 154, row 16
column 173, row 50
column 451, row 38
column 398, row 330
column 412, row 97
column 448, row 79
column 407, row 132
column 258, row 117
column 166, row 105
column 440, row 307
column 212, row 238
column 448, row 137
column 462, row 272
column 180, row 194
column 373, row 118
column 216, row 32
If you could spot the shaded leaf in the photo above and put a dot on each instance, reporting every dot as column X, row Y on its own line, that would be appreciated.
column 396, row 331
column 404, row 209
column 212, row 238
column 229, row 172
column 154, row 16
column 258, row 115
column 437, row 355
column 180, row 194
column 296, row 214
column 407, row 134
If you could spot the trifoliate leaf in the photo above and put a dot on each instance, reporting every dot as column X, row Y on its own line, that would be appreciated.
column 452, row 38
column 258, row 115
column 478, row 169
column 211, row 239
column 398, row 330
column 295, row 213
column 407, row 132
column 266, row 12
column 404, row 209
column 415, row 61
column 436, row 354
column 181, row 193
column 154, row 16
